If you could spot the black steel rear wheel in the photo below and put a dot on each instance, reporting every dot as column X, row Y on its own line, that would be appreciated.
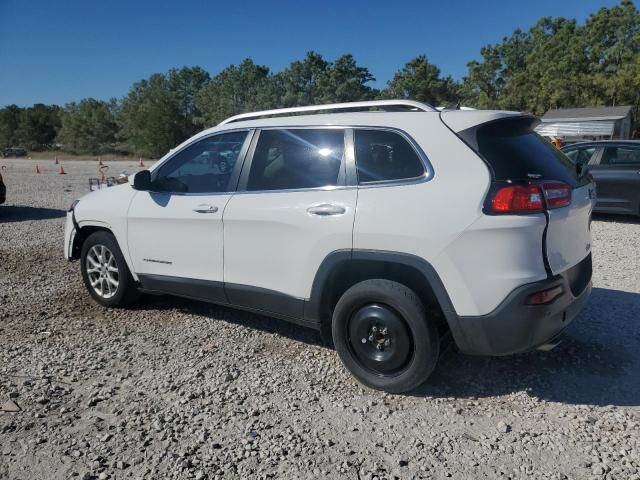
column 380, row 339
column 383, row 336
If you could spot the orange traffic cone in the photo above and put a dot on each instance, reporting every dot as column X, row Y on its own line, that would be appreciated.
column 100, row 164
column 62, row 172
column 141, row 163
column 37, row 168
column 56, row 162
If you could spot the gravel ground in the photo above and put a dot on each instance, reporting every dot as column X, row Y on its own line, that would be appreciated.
column 182, row 389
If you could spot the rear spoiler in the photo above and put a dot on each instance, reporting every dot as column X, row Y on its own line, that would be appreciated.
column 465, row 123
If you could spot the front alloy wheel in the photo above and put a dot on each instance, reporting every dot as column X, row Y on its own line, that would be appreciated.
column 102, row 270
column 105, row 271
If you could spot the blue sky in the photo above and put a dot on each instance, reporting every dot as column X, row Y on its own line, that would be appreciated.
column 65, row 50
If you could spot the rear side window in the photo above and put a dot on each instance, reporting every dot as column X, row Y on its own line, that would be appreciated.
column 515, row 152
column 620, row 156
column 382, row 155
column 297, row 158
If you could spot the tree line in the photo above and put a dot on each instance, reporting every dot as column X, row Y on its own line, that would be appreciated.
column 557, row 63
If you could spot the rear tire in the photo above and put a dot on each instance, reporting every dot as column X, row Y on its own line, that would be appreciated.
column 384, row 337
column 105, row 272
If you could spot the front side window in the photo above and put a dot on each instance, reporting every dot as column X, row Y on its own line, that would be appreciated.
column 620, row 155
column 382, row 155
column 297, row 159
column 203, row 167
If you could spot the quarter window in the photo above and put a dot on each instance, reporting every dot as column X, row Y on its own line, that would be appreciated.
column 203, row 167
column 382, row 155
column 297, row 158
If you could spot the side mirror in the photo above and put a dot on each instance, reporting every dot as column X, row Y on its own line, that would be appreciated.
column 142, row 180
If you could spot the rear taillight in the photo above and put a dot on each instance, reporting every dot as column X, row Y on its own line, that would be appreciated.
column 529, row 198
column 558, row 194
column 518, row 199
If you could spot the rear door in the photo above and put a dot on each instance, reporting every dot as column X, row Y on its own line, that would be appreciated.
column 515, row 153
column 617, row 176
column 291, row 210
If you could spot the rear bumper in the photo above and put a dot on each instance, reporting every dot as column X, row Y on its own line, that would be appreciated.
column 514, row 327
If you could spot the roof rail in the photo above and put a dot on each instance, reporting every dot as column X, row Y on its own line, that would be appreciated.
column 385, row 105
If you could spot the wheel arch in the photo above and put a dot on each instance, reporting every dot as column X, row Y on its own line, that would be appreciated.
column 83, row 232
column 344, row 268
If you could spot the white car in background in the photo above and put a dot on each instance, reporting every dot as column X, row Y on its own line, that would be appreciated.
column 385, row 223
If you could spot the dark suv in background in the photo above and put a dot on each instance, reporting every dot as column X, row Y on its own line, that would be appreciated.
column 14, row 152
column 615, row 166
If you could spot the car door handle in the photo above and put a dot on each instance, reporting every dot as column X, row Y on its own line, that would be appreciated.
column 205, row 209
column 326, row 209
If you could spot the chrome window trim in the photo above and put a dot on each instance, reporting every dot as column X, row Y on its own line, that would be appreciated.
column 328, row 188
column 235, row 173
column 428, row 174
column 349, row 160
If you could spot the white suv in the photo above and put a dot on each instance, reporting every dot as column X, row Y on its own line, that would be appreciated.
column 386, row 223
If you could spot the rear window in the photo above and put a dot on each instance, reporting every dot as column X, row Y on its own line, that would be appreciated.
column 515, row 152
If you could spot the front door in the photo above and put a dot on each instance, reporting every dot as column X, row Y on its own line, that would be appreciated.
column 290, row 212
column 175, row 231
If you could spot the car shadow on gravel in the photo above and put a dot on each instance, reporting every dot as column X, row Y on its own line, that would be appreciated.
column 10, row 213
column 231, row 315
column 597, row 363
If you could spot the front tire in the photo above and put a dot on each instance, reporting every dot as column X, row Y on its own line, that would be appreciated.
column 105, row 272
column 384, row 337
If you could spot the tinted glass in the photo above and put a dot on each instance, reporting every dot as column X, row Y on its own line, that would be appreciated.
column 581, row 155
column 620, row 155
column 204, row 167
column 383, row 155
column 296, row 158
column 515, row 152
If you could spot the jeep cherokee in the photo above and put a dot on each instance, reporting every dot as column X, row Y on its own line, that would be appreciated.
column 385, row 224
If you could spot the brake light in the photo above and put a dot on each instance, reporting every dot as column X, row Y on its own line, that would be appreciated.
column 558, row 194
column 518, row 199
column 545, row 296
column 530, row 198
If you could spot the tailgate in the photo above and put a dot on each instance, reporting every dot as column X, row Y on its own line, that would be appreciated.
column 568, row 238
column 515, row 153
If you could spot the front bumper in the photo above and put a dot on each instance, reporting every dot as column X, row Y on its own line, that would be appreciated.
column 514, row 327
column 69, row 235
